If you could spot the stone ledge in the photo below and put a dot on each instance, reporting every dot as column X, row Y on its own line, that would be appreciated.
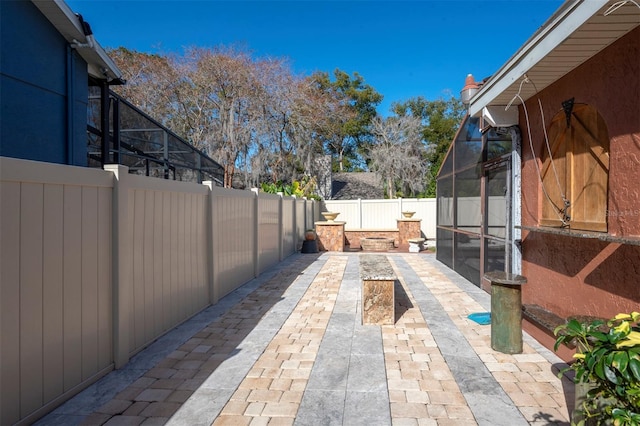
column 371, row 229
column 376, row 267
column 545, row 320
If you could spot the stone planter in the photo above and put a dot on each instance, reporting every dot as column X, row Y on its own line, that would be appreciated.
column 376, row 244
column 330, row 216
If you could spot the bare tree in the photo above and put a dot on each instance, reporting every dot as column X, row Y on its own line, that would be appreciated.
column 217, row 98
column 247, row 113
column 317, row 115
column 275, row 154
column 152, row 81
column 297, row 116
column 397, row 154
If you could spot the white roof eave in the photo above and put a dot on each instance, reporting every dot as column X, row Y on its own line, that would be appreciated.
column 565, row 21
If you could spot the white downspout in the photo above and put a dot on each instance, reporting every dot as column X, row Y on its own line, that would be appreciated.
column 516, row 199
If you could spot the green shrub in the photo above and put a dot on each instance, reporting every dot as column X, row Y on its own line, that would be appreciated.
column 608, row 360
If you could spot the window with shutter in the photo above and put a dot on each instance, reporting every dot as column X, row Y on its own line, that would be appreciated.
column 575, row 174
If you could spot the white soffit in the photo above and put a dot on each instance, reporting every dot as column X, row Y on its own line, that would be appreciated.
column 63, row 18
column 577, row 31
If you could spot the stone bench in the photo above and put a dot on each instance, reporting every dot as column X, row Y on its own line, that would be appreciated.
column 543, row 319
column 378, row 293
column 548, row 321
column 416, row 245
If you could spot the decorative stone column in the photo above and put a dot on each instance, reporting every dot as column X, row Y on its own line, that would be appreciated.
column 506, row 311
column 408, row 229
column 330, row 236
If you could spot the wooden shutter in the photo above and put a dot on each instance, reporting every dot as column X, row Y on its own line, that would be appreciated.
column 559, row 141
column 589, row 171
column 580, row 153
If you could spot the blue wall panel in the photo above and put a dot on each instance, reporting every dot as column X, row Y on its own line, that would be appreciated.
column 37, row 120
column 78, row 137
column 33, row 123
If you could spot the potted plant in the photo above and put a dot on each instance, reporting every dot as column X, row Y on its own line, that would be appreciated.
column 607, row 361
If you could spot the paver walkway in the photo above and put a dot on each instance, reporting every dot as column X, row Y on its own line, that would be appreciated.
column 289, row 348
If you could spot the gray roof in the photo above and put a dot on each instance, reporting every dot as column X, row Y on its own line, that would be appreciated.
column 351, row 186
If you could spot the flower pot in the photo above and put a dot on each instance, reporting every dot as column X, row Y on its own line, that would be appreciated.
column 310, row 235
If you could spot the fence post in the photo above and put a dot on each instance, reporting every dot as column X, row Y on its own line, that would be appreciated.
column 256, row 232
column 280, row 227
column 295, row 223
column 360, row 213
column 306, row 214
column 212, row 282
column 122, row 264
column 296, row 236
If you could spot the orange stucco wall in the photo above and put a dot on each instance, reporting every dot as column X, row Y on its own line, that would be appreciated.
column 568, row 275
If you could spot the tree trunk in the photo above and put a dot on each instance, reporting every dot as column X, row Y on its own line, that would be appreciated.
column 229, row 171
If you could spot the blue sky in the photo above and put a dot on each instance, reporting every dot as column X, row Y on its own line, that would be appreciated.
column 403, row 49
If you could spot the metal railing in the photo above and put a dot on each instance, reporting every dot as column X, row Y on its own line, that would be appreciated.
column 143, row 144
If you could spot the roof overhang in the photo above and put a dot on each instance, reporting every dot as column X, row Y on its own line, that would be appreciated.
column 100, row 65
column 576, row 32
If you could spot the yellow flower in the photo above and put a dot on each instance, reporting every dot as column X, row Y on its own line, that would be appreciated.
column 632, row 339
column 579, row 356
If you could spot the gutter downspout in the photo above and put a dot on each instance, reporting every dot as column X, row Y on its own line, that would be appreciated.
column 516, row 200
column 104, row 121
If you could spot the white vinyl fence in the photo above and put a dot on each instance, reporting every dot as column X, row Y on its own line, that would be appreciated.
column 96, row 264
column 383, row 214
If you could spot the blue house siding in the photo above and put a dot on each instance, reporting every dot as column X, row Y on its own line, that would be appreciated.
column 44, row 89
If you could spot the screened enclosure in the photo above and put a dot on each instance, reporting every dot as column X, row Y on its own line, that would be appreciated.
column 474, row 199
column 141, row 143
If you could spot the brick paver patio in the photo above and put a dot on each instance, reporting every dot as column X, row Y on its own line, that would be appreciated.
column 292, row 351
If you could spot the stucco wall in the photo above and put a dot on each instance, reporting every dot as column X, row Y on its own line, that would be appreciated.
column 570, row 275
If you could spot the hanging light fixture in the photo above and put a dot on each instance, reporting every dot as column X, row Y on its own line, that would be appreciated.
column 469, row 90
